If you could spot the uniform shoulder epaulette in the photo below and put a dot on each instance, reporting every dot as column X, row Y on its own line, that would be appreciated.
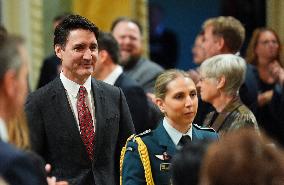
column 204, row 128
column 146, row 132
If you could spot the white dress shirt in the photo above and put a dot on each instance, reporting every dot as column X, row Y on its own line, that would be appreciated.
column 72, row 90
column 113, row 76
column 174, row 134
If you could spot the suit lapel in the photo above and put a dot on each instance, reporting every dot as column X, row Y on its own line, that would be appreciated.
column 65, row 115
column 99, row 101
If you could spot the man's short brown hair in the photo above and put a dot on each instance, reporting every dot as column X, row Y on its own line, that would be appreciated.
column 230, row 29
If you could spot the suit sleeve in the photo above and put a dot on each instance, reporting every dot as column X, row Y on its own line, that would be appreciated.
column 132, row 169
column 36, row 125
column 126, row 129
column 22, row 171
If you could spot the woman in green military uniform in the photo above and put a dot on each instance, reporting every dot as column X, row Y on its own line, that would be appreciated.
column 146, row 158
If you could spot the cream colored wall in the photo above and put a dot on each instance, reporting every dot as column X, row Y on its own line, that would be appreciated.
column 24, row 17
column 32, row 19
column 104, row 12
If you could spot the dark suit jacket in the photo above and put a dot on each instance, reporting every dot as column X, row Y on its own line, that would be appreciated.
column 136, row 100
column 158, row 142
column 49, row 70
column 16, row 168
column 145, row 73
column 55, row 134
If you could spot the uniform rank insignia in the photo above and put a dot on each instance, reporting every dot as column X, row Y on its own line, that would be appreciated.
column 129, row 149
column 164, row 157
column 165, row 166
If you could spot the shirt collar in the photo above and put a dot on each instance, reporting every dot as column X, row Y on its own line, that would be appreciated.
column 3, row 131
column 72, row 88
column 174, row 134
column 113, row 76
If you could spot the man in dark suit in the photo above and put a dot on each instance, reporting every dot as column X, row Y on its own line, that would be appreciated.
column 78, row 124
column 15, row 166
column 108, row 70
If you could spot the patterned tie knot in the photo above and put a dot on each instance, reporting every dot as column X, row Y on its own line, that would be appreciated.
column 184, row 140
column 82, row 91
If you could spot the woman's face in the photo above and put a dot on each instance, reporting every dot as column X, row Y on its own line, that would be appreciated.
column 180, row 102
column 208, row 88
column 267, row 46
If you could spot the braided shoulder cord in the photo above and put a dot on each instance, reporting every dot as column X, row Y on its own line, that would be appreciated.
column 144, row 156
column 122, row 154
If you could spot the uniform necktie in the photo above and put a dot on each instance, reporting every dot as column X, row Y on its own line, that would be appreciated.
column 184, row 140
column 85, row 122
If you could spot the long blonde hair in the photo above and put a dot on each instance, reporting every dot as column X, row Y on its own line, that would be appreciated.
column 18, row 132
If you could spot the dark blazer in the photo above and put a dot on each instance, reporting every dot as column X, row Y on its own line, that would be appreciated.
column 136, row 100
column 145, row 73
column 49, row 70
column 158, row 142
column 17, row 168
column 55, row 133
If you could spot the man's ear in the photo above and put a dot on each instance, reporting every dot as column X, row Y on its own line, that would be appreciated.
column 103, row 55
column 220, row 43
column 58, row 50
column 221, row 82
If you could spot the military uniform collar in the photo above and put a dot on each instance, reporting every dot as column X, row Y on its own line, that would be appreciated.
column 174, row 134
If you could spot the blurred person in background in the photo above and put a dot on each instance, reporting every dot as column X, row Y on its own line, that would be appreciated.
column 198, row 54
column 186, row 163
column 225, row 35
column 16, row 167
column 264, row 52
column 129, row 36
column 108, row 70
column 243, row 157
column 221, row 79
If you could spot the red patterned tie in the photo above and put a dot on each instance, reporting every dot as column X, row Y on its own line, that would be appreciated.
column 85, row 122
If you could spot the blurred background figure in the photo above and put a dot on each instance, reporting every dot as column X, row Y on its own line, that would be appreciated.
column 186, row 163
column 198, row 52
column 198, row 55
column 51, row 65
column 221, row 79
column 225, row 35
column 241, row 158
column 3, row 31
column 108, row 70
column 264, row 52
column 163, row 41
column 128, row 33
column 15, row 166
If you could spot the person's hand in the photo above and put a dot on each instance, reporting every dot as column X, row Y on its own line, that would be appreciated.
column 264, row 98
column 52, row 180
column 277, row 72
